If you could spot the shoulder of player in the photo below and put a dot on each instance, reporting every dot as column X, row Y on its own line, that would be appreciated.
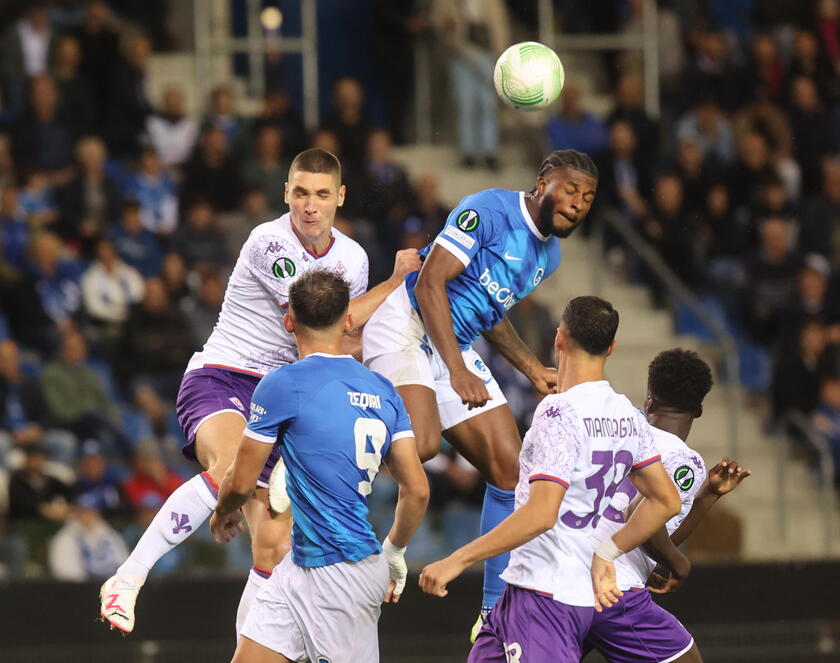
column 555, row 407
column 668, row 442
column 278, row 226
column 488, row 203
column 348, row 248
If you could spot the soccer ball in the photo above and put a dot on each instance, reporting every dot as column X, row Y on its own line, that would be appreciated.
column 528, row 75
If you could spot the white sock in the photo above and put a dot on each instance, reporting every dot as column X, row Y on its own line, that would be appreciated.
column 181, row 515
column 256, row 579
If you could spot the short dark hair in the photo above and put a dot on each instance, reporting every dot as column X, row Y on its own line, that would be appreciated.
column 316, row 160
column 679, row 379
column 591, row 322
column 572, row 159
column 319, row 298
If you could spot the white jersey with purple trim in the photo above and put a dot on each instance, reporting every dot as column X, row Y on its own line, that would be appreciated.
column 688, row 472
column 249, row 336
column 587, row 439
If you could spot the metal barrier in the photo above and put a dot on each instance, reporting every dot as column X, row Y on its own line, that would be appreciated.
column 793, row 422
column 682, row 293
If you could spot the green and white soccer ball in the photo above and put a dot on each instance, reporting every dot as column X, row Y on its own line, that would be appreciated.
column 529, row 75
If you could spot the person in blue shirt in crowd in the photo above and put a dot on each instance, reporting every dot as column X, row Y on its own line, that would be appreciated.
column 334, row 422
column 496, row 247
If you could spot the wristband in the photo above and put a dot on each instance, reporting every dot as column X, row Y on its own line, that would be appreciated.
column 608, row 551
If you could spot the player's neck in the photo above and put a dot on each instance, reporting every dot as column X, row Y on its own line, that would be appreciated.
column 309, row 345
column 316, row 246
column 676, row 423
column 577, row 370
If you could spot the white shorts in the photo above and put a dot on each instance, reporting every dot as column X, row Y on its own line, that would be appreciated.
column 324, row 614
column 395, row 345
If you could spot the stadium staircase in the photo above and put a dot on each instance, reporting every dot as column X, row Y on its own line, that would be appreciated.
column 643, row 332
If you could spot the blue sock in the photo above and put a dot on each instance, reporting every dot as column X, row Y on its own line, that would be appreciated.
column 498, row 505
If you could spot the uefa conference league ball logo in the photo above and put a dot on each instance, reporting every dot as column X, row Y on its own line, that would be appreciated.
column 468, row 220
column 283, row 268
column 684, row 478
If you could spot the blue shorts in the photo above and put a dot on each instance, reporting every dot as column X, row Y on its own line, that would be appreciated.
column 208, row 391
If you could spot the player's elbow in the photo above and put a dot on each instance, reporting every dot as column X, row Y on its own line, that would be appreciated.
column 670, row 501
column 416, row 490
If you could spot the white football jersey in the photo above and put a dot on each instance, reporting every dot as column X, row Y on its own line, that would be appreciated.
column 588, row 439
column 688, row 472
column 249, row 335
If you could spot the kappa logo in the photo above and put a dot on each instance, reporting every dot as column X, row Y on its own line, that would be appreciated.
column 273, row 247
column 468, row 220
column 283, row 268
column 684, row 478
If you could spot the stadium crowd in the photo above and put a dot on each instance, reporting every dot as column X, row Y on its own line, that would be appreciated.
column 121, row 216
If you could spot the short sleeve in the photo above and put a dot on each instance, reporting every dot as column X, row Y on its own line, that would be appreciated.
column 647, row 453
column 555, row 440
column 466, row 230
column 687, row 470
column 274, row 405
column 359, row 280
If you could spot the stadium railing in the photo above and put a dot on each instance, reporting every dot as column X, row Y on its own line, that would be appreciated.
column 795, row 429
column 681, row 294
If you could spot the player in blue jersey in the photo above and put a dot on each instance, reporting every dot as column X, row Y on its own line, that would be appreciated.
column 334, row 421
column 495, row 248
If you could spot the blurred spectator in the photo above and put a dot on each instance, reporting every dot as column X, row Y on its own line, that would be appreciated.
column 828, row 28
column 99, row 44
column 77, row 398
column 624, row 173
column 174, row 275
column 574, row 128
column 34, row 494
column 753, row 167
column 212, row 173
column 770, row 122
column 89, row 203
column 812, row 300
column 223, row 116
column 98, row 481
column 696, row 175
column 277, row 112
column 128, row 103
column 727, row 238
column 473, row 33
column 827, row 418
column 172, row 133
column 156, row 192
column 772, row 272
column 24, row 412
column 55, row 278
column 39, row 139
column 629, row 108
column 534, row 324
column 821, row 215
column 86, row 547
column 202, row 308
column 253, row 211
column 200, row 240
column 36, row 200
column 325, row 139
column 796, row 378
column 150, row 476
column 812, row 135
column 706, row 125
column 268, row 168
column 138, row 247
column 711, row 73
column 109, row 288
column 8, row 176
column 156, row 344
column 74, row 92
column 766, row 70
column 26, row 47
column 807, row 60
column 772, row 198
column 348, row 122
column 16, row 234
column 428, row 206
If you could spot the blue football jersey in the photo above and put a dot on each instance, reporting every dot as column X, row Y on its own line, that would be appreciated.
column 334, row 421
column 504, row 255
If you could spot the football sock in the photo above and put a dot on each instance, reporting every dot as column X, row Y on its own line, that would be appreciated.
column 182, row 514
column 256, row 579
column 498, row 505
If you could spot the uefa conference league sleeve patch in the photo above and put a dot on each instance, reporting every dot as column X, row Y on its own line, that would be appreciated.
column 684, row 478
column 466, row 222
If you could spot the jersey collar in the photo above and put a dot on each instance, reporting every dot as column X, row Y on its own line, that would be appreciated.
column 528, row 220
column 329, row 356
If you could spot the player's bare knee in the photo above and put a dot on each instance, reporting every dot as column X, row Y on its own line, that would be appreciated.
column 503, row 473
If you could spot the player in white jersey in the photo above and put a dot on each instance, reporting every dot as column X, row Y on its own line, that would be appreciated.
column 638, row 630
column 583, row 442
column 248, row 341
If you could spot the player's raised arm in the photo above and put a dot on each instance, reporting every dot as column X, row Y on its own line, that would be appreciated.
column 439, row 268
column 404, row 465
column 363, row 306
column 507, row 342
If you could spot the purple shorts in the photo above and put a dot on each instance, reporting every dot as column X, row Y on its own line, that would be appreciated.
column 207, row 391
column 527, row 626
column 637, row 630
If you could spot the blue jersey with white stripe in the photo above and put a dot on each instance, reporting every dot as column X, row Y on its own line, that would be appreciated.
column 504, row 255
column 334, row 421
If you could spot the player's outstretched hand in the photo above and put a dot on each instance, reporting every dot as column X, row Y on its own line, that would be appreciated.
column 470, row 388
column 604, row 584
column 726, row 476
column 436, row 576
column 407, row 261
column 226, row 528
column 544, row 379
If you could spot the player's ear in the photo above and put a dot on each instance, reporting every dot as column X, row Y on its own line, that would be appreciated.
column 286, row 192
column 699, row 412
column 289, row 323
column 342, row 191
column 648, row 406
column 611, row 349
column 542, row 183
column 560, row 338
column 348, row 324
